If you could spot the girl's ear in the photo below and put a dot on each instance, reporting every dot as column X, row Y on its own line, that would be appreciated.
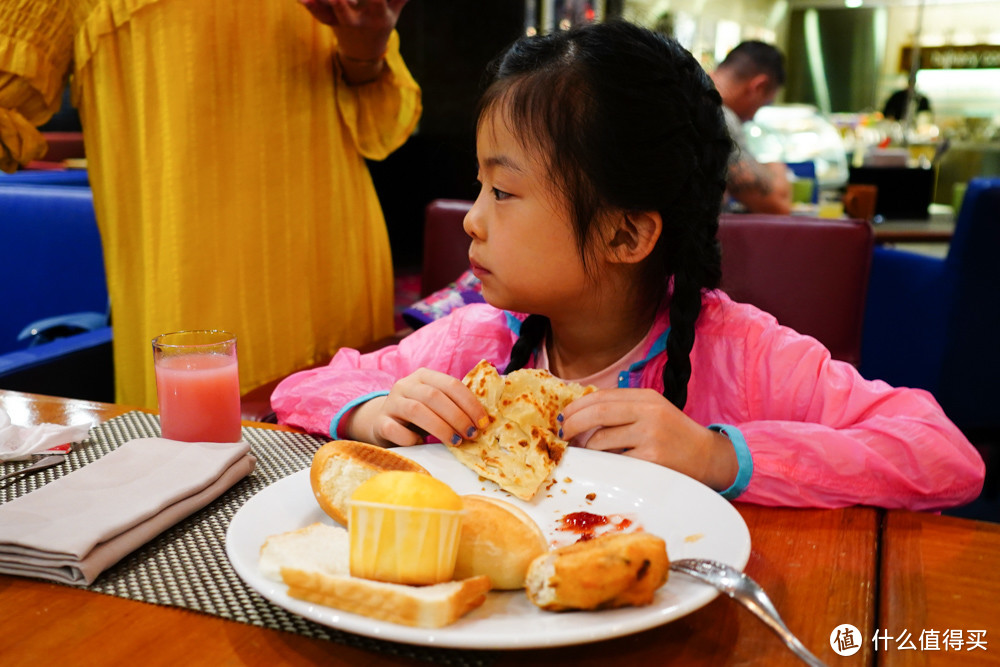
column 634, row 236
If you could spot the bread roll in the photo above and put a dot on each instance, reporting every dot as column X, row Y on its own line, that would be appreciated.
column 339, row 467
column 318, row 547
column 418, row 606
column 613, row 570
column 498, row 540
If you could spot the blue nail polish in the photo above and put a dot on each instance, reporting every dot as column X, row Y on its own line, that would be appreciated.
column 455, row 439
column 560, row 433
column 471, row 432
column 559, row 418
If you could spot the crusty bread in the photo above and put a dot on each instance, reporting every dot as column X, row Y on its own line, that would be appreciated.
column 521, row 444
column 498, row 540
column 418, row 606
column 340, row 466
column 315, row 562
column 613, row 570
column 317, row 547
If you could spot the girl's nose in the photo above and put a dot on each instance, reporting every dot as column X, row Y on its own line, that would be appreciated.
column 472, row 223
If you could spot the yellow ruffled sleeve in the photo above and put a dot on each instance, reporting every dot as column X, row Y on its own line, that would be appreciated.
column 380, row 115
column 36, row 40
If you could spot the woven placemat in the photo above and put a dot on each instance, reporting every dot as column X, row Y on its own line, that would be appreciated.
column 186, row 566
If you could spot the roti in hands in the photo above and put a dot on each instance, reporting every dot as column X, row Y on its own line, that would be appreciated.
column 521, row 445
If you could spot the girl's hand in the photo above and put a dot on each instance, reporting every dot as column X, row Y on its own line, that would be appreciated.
column 423, row 403
column 644, row 424
column 362, row 26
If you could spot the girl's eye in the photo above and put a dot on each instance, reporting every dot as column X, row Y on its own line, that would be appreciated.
column 500, row 195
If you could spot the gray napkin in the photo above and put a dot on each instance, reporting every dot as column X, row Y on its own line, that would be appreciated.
column 75, row 527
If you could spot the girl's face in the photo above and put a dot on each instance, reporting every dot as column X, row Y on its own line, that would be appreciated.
column 524, row 248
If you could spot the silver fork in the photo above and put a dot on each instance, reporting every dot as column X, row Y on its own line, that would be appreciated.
column 41, row 464
column 745, row 590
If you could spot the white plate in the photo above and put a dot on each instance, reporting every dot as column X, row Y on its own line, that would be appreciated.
column 695, row 521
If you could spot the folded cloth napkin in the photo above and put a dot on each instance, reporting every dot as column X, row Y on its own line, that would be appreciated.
column 75, row 527
column 20, row 442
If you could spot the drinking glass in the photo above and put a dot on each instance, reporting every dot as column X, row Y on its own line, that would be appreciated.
column 830, row 205
column 802, row 190
column 198, row 386
column 860, row 200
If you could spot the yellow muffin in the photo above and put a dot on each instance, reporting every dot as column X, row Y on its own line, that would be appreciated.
column 404, row 529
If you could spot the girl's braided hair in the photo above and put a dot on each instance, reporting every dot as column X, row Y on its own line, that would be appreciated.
column 628, row 121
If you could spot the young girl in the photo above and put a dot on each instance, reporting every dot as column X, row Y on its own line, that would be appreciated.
column 602, row 155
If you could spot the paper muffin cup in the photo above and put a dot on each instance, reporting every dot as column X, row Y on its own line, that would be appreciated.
column 403, row 545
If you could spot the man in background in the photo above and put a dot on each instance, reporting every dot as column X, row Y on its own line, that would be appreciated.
column 748, row 79
column 896, row 106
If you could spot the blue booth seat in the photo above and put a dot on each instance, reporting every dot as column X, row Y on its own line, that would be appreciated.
column 54, row 333
column 77, row 366
column 933, row 323
column 78, row 177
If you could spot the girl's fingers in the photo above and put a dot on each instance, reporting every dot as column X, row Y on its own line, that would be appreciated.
column 616, row 439
column 583, row 402
column 455, row 403
column 392, row 432
column 597, row 415
column 425, row 418
column 613, row 407
column 438, row 404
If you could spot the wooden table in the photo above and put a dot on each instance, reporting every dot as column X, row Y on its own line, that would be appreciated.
column 938, row 227
column 940, row 581
column 820, row 568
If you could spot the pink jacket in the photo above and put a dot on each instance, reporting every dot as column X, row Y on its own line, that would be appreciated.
column 818, row 434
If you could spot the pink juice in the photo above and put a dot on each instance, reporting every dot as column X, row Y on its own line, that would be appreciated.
column 199, row 397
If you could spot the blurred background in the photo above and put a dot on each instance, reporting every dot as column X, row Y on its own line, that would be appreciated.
column 844, row 59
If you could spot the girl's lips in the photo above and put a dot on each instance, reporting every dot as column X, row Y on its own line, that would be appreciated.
column 477, row 270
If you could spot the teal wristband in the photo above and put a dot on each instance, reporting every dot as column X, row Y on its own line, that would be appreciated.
column 335, row 422
column 743, row 457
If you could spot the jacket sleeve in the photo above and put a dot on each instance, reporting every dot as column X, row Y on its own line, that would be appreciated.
column 821, row 435
column 314, row 400
column 36, row 45
column 380, row 115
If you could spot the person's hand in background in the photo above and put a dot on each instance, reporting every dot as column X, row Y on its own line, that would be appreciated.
column 362, row 28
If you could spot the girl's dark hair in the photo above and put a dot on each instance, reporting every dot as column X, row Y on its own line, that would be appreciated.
column 628, row 121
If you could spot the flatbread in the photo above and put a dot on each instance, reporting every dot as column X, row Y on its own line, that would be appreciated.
column 521, row 445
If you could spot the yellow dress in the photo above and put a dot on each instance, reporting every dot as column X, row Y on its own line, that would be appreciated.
column 226, row 156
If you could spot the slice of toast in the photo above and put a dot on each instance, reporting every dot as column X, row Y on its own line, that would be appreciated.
column 317, row 547
column 417, row 606
column 315, row 563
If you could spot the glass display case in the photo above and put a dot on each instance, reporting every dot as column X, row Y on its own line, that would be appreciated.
column 799, row 133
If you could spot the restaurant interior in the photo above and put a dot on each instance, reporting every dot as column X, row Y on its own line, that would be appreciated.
column 905, row 290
